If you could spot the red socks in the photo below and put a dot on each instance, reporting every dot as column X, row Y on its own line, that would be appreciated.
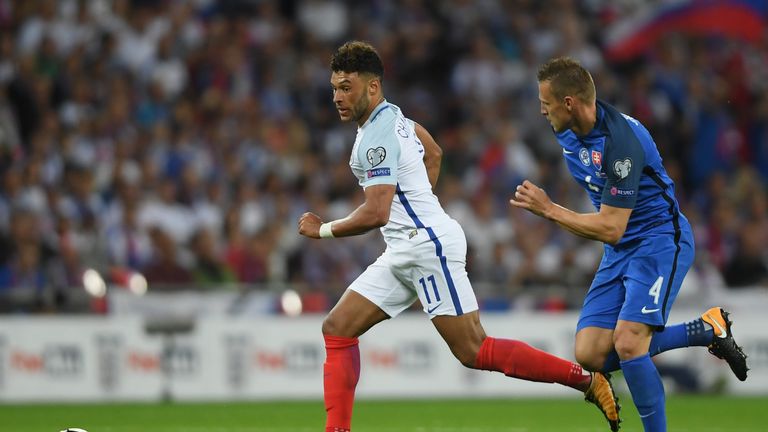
column 341, row 372
column 513, row 358
column 520, row 360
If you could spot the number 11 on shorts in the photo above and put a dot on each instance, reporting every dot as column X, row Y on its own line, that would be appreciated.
column 423, row 283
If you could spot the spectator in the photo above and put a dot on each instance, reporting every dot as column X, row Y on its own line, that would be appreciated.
column 748, row 267
column 209, row 270
column 116, row 117
column 128, row 243
column 164, row 271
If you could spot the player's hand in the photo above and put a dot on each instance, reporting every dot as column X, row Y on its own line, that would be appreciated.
column 532, row 198
column 309, row 225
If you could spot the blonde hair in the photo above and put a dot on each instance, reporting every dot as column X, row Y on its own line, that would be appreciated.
column 567, row 78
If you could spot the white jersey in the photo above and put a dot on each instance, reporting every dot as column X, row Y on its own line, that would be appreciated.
column 387, row 151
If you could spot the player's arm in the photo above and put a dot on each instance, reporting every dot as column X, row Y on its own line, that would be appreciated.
column 433, row 154
column 378, row 154
column 626, row 159
column 373, row 213
column 607, row 225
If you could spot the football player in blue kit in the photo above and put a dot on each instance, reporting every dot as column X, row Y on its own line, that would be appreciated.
column 648, row 241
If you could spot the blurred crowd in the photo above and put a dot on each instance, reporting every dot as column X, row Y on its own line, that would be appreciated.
column 183, row 139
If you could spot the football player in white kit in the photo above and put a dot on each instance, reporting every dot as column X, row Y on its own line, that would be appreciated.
column 397, row 162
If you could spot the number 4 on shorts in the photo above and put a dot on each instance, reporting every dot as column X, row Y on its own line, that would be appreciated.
column 656, row 289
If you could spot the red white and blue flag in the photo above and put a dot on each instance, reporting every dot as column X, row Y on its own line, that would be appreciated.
column 740, row 19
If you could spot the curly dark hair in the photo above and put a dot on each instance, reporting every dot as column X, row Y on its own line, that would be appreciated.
column 567, row 78
column 357, row 56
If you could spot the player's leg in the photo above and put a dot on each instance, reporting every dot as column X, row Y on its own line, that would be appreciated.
column 652, row 280
column 440, row 279
column 468, row 342
column 350, row 318
column 374, row 296
column 606, row 297
column 446, row 293
column 599, row 314
column 600, row 330
column 712, row 329
column 632, row 340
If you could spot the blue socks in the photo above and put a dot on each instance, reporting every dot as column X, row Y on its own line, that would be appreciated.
column 643, row 378
column 647, row 392
column 698, row 333
column 691, row 333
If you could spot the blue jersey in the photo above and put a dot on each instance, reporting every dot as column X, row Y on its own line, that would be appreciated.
column 618, row 164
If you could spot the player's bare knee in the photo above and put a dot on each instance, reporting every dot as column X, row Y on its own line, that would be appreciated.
column 628, row 343
column 626, row 349
column 592, row 364
column 590, row 361
column 467, row 357
column 466, row 352
column 332, row 326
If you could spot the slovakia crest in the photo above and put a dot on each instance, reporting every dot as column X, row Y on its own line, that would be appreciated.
column 597, row 159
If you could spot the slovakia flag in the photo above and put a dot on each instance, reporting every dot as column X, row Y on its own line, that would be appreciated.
column 741, row 19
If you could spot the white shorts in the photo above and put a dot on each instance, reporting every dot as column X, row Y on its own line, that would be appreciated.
column 431, row 266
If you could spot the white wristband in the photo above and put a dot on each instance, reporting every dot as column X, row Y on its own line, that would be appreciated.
column 325, row 230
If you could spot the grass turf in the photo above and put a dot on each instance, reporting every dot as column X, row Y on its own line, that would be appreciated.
column 685, row 413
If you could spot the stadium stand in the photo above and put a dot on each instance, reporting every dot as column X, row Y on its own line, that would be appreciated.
column 182, row 140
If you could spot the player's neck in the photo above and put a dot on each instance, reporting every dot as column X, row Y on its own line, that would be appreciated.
column 371, row 109
column 584, row 119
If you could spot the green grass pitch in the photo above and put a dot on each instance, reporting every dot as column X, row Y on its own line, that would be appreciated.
column 685, row 413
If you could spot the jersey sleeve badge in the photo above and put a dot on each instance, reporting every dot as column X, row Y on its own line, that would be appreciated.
column 376, row 156
column 622, row 168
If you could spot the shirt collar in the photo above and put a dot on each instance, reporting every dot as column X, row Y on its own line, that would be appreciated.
column 376, row 111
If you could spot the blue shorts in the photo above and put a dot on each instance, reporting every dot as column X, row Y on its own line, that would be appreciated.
column 640, row 281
